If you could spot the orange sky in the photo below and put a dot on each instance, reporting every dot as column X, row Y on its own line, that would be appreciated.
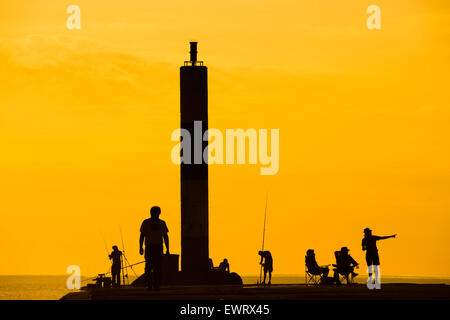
column 86, row 118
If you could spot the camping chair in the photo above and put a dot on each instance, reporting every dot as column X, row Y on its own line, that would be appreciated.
column 342, row 276
column 345, row 277
column 310, row 278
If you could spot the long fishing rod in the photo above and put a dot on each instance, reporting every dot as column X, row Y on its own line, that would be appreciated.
column 108, row 272
column 123, row 256
column 93, row 278
column 264, row 235
column 106, row 247
column 131, row 265
column 126, row 259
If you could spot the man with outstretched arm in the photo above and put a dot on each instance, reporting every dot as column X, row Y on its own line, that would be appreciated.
column 369, row 244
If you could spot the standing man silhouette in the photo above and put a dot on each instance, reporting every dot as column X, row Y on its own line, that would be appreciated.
column 154, row 233
column 369, row 244
column 116, row 266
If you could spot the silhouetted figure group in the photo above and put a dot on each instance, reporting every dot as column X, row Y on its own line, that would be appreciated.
column 224, row 266
column 345, row 264
column 153, row 234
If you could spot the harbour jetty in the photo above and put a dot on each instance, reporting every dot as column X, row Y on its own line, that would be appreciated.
column 275, row 292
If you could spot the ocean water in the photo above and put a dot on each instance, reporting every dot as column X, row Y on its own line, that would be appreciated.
column 32, row 287
column 54, row 287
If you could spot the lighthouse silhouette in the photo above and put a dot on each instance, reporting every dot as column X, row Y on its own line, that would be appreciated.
column 195, row 267
column 194, row 175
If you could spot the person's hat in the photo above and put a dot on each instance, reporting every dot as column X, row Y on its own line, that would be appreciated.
column 367, row 230
column 344, row 249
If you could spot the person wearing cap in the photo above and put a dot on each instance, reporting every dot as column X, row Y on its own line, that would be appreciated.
column 116, row 266
column 154, row 233
column 369, row 244
column 345, row 265
column 313, row 266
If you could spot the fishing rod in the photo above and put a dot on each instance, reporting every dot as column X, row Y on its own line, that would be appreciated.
column 263, row 237
column 93, row 278
column 124, row 275
column 126, row 259
column 131, row 265
column 106, row 247
column 108, row 272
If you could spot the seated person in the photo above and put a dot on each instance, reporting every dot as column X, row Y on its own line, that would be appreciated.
column 210, row 264
column 224, row 266
column 345, row 265
column 313, row 267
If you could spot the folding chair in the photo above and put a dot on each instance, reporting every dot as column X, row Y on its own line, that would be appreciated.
column 312, row 279
column 345, row 278
column 341, row 276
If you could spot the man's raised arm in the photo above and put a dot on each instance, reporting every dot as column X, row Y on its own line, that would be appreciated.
column 386, row 237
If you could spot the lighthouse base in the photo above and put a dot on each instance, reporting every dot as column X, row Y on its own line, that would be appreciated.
column 187, row 278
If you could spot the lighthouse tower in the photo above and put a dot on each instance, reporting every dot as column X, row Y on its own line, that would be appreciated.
column 194, row 175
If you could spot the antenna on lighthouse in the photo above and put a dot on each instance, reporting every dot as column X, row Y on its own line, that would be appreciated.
column 193, row 56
